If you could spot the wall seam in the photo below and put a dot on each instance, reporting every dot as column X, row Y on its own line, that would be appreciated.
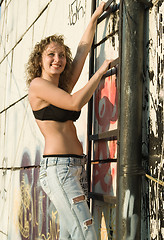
column 43, row 10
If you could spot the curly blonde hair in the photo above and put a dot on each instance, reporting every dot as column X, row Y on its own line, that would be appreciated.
column 33, row 66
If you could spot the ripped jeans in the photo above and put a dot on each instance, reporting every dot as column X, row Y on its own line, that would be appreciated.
column 59, row 178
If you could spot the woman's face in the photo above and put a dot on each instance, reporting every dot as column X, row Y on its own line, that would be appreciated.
column 53, row 60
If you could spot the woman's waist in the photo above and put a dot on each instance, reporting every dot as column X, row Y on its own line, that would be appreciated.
column 63, row 159
column 62, row 144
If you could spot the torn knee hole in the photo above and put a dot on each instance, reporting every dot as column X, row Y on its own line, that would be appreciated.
column 88, row 222
column 79, row 199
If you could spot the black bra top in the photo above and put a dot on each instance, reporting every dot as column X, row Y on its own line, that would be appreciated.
column 54, row 113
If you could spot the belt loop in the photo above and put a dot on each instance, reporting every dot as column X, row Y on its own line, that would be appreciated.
column 46, row 162
column 69, row 161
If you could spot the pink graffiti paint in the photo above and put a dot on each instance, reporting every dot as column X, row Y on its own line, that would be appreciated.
column 106, row 102
column 100, row 171
column 106, row 112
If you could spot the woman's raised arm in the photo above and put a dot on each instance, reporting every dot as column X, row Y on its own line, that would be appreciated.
column 85, row 45
column 48, row 92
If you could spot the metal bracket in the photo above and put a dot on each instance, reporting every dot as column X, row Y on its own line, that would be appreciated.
column 146, row 2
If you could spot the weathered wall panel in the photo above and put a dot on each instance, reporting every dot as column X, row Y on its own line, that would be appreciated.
column 11, row 29
column 153, row 115
column 29, row 213
column 20, row 56
column 156, row 120
column 3, row 29
column 5, row 189
column 18, row 133
column 3, row 69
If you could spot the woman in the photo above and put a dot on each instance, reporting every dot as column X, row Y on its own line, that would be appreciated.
column 52, row 74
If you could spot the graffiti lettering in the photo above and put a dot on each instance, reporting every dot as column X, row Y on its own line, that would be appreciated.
column 36, row 221
column 129, row 205
column 105, row 215
column 76, row 11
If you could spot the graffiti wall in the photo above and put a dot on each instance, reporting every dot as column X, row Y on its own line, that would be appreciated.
column 26, row 212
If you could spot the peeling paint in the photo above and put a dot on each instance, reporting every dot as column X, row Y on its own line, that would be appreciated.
column 154, row 113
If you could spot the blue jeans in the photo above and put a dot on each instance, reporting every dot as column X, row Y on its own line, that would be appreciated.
column 59, row 178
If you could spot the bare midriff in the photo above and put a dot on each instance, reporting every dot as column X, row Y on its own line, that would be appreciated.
column 60, row 138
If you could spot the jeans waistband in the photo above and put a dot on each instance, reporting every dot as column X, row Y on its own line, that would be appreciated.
column 48, row 161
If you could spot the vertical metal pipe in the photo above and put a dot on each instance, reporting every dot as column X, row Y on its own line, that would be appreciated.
column 130, row 134
column 90, row 109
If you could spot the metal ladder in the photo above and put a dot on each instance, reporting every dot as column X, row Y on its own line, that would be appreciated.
column 109, row 135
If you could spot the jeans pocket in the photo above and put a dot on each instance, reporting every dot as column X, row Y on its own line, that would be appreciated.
column 75, row 171
column 68, row 173
column 62, row 173
column 44, row 181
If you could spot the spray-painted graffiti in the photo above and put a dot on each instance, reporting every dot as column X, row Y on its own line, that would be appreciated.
column 38, row 219
column 106, row 102
column 128, row 209
column 104, row 174
column 105, row 216
column 76, row 11
column 106, row 113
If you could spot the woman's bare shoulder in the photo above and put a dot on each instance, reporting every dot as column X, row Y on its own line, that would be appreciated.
column 37, row 82
column 35, row 101
column 40, row 84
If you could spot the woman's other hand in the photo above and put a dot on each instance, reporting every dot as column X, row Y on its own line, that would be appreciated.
column 104, row 67
column 99, row 10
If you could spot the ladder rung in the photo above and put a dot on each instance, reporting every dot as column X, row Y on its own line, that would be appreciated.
column 112, row 68
column 108, row 160
column 111, row 135
column 102, row 197
column 107, row 4
column 110, row 72
column 114, row 63
column 105, row 39
column 112, row 9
